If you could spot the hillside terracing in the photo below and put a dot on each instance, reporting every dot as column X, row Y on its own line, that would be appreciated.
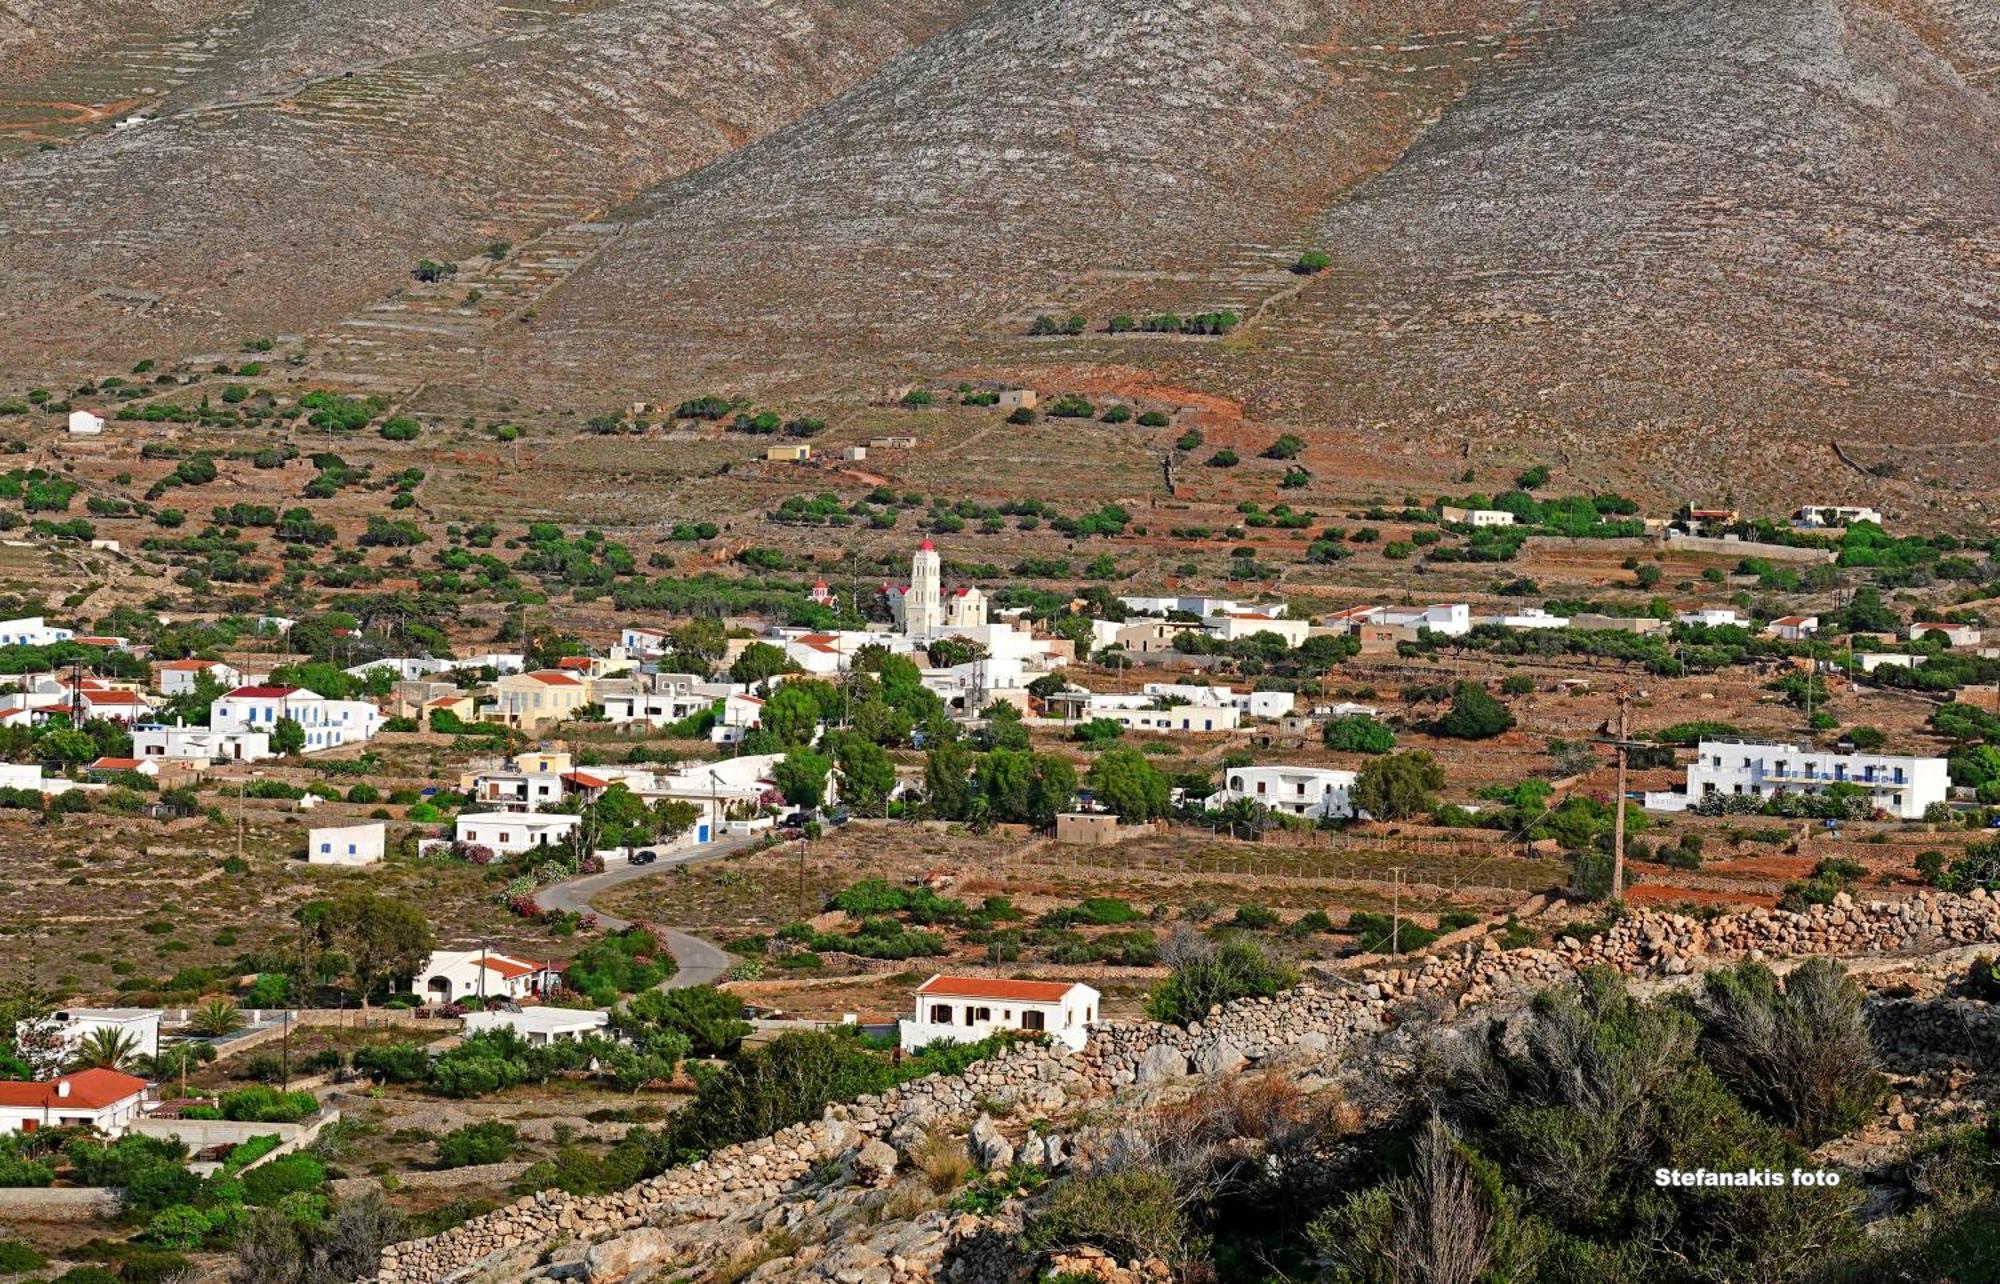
column 697, row 1216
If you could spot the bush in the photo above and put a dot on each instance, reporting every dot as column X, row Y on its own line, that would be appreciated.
column 1359, row 733
column 1133, row 1212
column 787, row 1081
column 264, row 1104
column 1797, row 1050
column 1204, row 976
column 491, row 1142
column 1474, row 714
column 1255, row 918
column 16, row 1257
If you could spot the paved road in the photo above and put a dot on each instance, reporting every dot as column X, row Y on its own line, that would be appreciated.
column 701, row 962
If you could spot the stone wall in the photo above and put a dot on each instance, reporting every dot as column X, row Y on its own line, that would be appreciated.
column 1040, row 1080
column 59, row 1203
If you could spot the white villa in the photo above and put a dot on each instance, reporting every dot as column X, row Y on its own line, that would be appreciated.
column 82, row 423
column 74, row 1025
column 449, row 975
column 1899, row 785
column 32, row 630
column 199, row 746
column 327, row 723
column 346, row 844
column 966, row 1009
column 542, row 1025
column 1318, row 793
column 509, row 832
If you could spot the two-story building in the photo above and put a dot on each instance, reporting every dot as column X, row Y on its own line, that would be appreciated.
column 1316, row 793
column 536, row 699
column 1899, row 785
column 327, row 723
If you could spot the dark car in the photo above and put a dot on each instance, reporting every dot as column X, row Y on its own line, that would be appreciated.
column 645, row 856
column 838, row 816
column 797, row 820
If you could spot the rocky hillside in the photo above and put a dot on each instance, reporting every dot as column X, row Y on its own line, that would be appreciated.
column 298, row 170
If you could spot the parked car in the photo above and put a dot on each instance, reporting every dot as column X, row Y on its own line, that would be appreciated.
column 645, row 856
column 797, row 820
column 838, row 816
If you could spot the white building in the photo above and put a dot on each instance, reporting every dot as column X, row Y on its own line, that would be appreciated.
column 923, row 608
column 1793, row 628
column 1528, row 617
column 32, row 630
column 1141, row 713
column 1477, row 516
column 450, row 975
column 1713, row 617
column 179, row 677
column 84, row 424
column 1254, row 704
column 406, row 668
column 508, row 832
column 542, row 1025
column 1317, row 793
column 658, row 700
column 346, row 844
column 1954, row 634
column 1901, row 786
column 327, row 723
column 199, row 746
column 640, row 640
column 74, row 1025
column 1229, row 626
column 966, row 1009
column 102, row 1099
column 1195, row 604
column 1819, row 516
column 1873, row 660
column 1452, row 619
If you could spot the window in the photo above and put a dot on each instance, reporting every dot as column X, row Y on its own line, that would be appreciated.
column 1032, row 1019
column 941, row 1014
column 984, row 1014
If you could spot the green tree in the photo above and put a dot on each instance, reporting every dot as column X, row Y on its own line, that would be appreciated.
column 791, row 715
column 379, row 937
column 1204, row 974
column 709, row 1019
column 1126, row 782
column 288, row 737
column 1398, row 786
column 1359, row 733
column 1474, row 714
column 948, row 780
column 801, row 777
column 867, row 776
column 759, row 662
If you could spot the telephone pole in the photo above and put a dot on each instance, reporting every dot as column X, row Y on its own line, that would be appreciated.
column 1618, row 812
column 1396, row 913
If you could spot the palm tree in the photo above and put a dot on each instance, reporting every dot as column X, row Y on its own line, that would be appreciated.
column 217, row 1017
column 176, row 1059
column 104, row 1048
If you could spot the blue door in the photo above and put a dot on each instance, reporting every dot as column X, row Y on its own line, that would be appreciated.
column 701, row 832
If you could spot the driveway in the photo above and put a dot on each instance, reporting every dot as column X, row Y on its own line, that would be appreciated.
column 701, row 962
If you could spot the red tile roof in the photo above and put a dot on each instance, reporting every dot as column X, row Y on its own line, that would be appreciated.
column 88, row 1090
column 509, row 968
column 583, row 781
column 115, row 764
column 551, row 679
column 977, row 987
column 266, row 693
column 188, row 666
column 573, row 662
column 114, row 697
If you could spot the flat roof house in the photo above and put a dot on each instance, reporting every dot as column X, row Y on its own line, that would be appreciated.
column 508, row 832
column 541, row 1025
column 966, row 1009
column 74, row 1025
column 1899, row 785
column 1318, row 793
column 346, row 844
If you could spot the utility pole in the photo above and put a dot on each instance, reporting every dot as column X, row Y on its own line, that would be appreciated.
column 1396, row 913
column 1618, row 813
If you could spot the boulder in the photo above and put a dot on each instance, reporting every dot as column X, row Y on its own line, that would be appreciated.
column 1160, row 1063
column 875, row 1163
column 614, row 1259
column 989, row 1147
column 1219, row 1057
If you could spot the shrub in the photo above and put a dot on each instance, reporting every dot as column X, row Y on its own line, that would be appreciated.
column 1796, row 1050
column 1359, row 733
column 1224, row 458
column 788, row 1081
column 16, row 1257
column 1133, row 1212
column 1474, row 714
column 1203, row 976
column 491, row 1142
column 1255, row 918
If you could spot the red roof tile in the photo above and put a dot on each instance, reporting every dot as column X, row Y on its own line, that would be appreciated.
column 266, row 693
column 88, row 1090
column 976, row 987
column 551, row 679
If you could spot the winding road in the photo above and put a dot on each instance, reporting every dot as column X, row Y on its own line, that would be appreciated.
column 700, row 962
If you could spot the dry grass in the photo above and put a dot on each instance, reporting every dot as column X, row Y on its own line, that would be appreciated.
column 943, row 1160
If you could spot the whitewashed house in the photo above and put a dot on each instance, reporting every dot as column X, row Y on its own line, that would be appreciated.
column 326, row 723
column 508, row 832
column 346, row 844
column 1254, row 704
column 1954, row 634
column 1316, row 793
column 1900, row 785
column 82, row 423
column 199, row 746
column 1793, row 628
column 966, row 1009
column 74, row 1025
column 1231, row 626
column 542, row 1025
column 1821, row 516
column 1137, row 712
column 450, row 975
column 642, row 641
column 1713, row 617
column 179, row 677
column 32, row 630
column 102, row 1099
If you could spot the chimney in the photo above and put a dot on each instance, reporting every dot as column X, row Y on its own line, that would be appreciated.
column 62, row 1089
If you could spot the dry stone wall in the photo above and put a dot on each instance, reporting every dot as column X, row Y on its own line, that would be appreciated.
column 1042, row 1080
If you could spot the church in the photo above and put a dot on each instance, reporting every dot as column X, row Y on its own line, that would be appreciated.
column 923, row 609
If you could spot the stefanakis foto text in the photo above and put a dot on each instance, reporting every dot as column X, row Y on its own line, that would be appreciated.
column 1761, row 1177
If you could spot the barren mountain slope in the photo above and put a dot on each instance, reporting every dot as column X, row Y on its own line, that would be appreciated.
column 212, row 223
column 1049, row 154
column 37, row 34
column 1702, row 237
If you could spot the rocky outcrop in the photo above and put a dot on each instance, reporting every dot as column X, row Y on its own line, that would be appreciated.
column 772, row 1180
